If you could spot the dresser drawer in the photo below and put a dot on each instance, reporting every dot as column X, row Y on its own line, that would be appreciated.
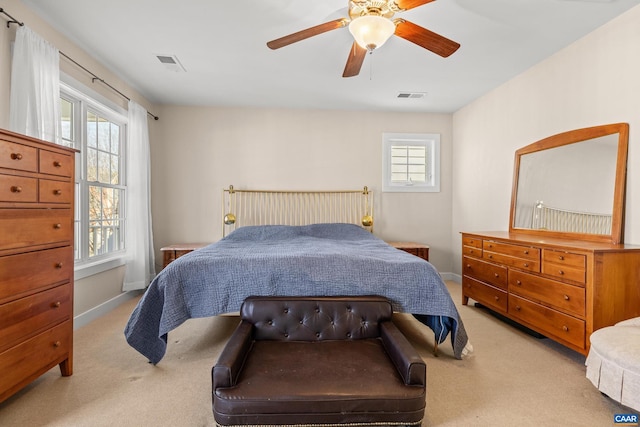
column 472, row 251
column 19, row 277
column 473, row 242
column 522, row 257
column 56, row 163
column 35, row 356
column 18, row 156
column 30, row 227
column 566, row 298
column 493, row 274
column 493, row 298
column 55, row 191
column 521, row 263
column 524, row 252
column 548, row 321
column 564, row 265
column 18, row 189
column 30, row 315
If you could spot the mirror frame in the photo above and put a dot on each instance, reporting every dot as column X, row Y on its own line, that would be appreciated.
column 572, row 137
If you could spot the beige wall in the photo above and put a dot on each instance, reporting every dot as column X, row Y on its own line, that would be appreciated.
column 199, row 151
column 92, row 291
column 592, row 82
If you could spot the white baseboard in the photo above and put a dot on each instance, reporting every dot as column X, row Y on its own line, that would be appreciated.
column 90, row 315
column 451, row 276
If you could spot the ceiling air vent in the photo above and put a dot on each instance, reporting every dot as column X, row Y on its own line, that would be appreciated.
column 412, row 95
column 171, row 62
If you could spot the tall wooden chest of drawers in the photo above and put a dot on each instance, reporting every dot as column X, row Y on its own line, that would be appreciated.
column 563, row 289
column 36, row 260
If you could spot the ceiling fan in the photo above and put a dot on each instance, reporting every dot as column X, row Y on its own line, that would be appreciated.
column 371, row 24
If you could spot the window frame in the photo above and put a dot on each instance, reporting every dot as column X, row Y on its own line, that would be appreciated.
column 85, row 100
column 431, row 143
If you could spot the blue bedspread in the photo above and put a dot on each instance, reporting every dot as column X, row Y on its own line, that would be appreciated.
column 316, row 260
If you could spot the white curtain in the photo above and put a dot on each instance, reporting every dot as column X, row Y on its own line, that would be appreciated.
column 35, row 87
column 140, row 268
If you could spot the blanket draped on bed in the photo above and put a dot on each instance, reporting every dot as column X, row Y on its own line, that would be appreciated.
column 314, row 260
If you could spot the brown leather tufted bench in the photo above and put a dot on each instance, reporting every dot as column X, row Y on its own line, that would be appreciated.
column 318, row 361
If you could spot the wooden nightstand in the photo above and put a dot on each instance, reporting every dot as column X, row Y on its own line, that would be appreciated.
column 417, row 249
column 171, row 252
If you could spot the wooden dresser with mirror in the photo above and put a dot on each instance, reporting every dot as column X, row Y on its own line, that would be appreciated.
column 561, row 269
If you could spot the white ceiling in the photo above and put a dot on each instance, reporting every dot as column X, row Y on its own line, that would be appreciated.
column 222, row 46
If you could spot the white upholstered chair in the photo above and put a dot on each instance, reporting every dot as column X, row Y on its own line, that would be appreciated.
column 613, row 362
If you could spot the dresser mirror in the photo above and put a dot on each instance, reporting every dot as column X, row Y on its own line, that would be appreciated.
column 572, row 185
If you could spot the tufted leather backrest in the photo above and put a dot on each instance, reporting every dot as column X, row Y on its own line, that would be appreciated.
column 316, row 318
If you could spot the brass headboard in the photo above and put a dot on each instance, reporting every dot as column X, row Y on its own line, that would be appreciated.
column 260, row 207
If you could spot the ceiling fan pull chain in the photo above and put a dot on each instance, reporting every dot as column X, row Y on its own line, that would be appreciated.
column 371, row 65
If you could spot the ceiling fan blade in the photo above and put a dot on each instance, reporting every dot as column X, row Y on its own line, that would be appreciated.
column 410, row 4
column 309, row 32
column 427, row 39
column 354, row 61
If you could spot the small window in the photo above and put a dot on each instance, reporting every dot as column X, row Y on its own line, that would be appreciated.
column 411, row 162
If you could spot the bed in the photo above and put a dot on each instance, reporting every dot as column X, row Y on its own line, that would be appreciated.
column 318, row 259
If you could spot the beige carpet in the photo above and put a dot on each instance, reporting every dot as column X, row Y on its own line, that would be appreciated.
column 512, row 379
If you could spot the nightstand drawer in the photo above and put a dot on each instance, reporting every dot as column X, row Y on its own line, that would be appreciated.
column 173, row 252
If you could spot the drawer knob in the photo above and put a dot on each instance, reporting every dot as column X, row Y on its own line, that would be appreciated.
column 56, row 304
column 561, row 258
column 526, row 252
column 490, row 256
column 57, row 164
column 16, row 156
column 57, row 192
column 469, row 266
column 496, row 298
column 58, row 265
column 526, row 264
column 517, row 308
column 565, row 328
column 518, row 282
column 16, row 189
column 57, row 226
column 560, row 272
column 566, row 297
column 56, row 344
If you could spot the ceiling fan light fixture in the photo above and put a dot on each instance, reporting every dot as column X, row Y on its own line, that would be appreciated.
column 371, row 31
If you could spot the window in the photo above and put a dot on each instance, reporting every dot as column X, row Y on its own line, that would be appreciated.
column 411, row 162
column 99, row 133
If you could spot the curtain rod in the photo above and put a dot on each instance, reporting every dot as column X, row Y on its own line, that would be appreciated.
column 94, row 77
